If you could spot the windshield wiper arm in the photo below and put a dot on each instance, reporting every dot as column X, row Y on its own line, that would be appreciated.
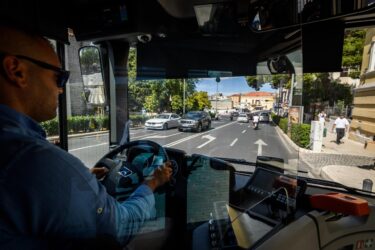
column 238, row 161
column 351, row 190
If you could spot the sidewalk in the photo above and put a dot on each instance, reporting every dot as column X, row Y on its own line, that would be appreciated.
column 347, row 163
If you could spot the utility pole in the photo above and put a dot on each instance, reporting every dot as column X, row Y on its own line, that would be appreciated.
column 183, row 106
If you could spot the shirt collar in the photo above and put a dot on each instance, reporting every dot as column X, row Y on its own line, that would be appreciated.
column 12, row 120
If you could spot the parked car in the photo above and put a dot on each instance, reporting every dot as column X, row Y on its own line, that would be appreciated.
column 264, row 117
column 163, row 121
column 195, row 120
column 242, row 117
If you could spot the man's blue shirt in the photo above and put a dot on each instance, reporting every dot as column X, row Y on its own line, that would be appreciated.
column 47, row 192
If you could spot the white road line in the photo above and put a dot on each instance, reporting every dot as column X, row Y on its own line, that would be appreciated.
column 233, row 142
column 162, row 136
column 193, row 136
column 210, row 139
column 144, row 136
column 92, row 146
column 243, row 132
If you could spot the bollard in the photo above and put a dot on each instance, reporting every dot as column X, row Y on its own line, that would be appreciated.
column 367, row 185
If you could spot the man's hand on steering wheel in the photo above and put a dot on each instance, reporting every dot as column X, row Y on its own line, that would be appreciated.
column 160, row 176
column 99, row 172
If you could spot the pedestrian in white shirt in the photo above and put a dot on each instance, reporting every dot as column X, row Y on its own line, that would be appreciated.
column 341, row 124
column 322, row 117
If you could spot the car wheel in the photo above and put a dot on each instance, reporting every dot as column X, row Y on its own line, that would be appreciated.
column 208, row 125
column 165, row 126
column 180, row 129
column 199, row 128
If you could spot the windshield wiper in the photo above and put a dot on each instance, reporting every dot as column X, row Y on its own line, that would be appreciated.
column 350, row 190
column 238, row 161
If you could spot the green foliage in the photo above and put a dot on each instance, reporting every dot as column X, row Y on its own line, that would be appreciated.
column 51, row 127
column 177, row 103
column 90, row 60
column 283, row 124
column 152, row 103
column 353, row 48
column 257, row 82
column 138, row 119
column 275, row 118
column 198, row 101
column 300, row 134
column 77, row 124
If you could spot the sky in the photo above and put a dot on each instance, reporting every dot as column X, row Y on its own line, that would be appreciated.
column 228, row 86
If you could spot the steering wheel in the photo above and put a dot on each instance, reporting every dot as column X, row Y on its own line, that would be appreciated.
column 129, row 163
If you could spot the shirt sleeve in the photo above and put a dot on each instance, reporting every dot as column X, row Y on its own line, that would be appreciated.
column 131, row 214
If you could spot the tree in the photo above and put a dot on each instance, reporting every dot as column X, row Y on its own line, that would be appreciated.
column 152, row 103
column 90, row 61
column 353, row 50
column 198, row 101
column 257, row 82
column 177, row 103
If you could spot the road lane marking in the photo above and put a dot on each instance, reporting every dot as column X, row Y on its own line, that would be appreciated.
column 243, row 132
column 260, row 143
column 233, row 142
column 143, row 136
column 163, row 136
column 193, row 136
column 92, row 146
column 210, row 139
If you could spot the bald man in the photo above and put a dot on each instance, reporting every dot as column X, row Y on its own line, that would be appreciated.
column 48, row 196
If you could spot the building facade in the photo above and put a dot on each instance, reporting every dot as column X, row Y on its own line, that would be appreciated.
column 254, row 100
column 363, row 123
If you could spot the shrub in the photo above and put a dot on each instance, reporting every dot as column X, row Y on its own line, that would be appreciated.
column 77, row 124
column 300, row 134
column 275, row 118
column 51, row 127
column 283, row 124
column 138, row 119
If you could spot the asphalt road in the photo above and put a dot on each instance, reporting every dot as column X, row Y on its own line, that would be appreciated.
column 225, row 139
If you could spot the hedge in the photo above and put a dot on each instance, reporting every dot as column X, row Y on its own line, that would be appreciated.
column 275, row 118
column 77, row 124
column 283, row 124
column 300, row 134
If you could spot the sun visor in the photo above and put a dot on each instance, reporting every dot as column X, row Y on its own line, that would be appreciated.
column 45, row 19
column 158, row 61
column 322, row 47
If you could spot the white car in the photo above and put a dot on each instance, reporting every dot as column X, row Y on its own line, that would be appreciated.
column 243, row 118
column 163, row 121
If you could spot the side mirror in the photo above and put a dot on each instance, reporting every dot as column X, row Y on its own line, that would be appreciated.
column 92, row 76
column 280, row 65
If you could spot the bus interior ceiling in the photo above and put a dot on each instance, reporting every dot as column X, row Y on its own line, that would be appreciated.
column 169, row 30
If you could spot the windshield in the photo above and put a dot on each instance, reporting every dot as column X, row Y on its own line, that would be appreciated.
column 192, row 115
column 162, row 117
column 316, row 124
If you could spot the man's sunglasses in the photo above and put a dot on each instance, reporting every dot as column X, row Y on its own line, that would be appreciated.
column 62, row 75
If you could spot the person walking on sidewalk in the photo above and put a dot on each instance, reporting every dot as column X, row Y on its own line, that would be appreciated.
column 322, row 116
column 341, row 124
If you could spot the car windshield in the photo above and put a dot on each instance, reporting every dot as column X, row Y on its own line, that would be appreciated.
column 162, row 116
column 192, row 115
column 286, row 131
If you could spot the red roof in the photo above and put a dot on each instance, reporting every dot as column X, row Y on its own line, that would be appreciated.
column 258, row 93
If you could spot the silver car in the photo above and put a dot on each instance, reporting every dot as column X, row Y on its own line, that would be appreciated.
column 163, row 121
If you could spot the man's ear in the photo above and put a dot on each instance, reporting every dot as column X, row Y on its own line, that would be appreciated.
column 15, row 71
